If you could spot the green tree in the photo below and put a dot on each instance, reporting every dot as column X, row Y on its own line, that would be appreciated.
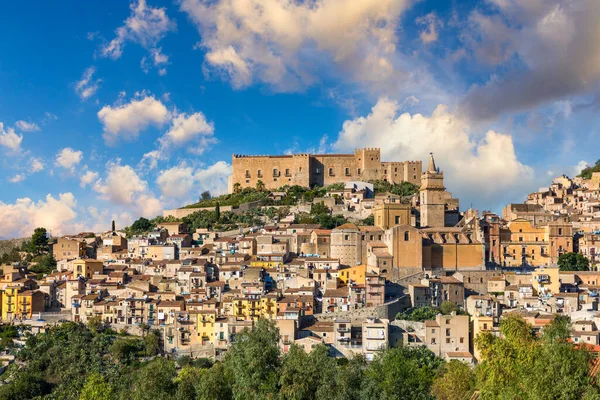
column 142, row 225
column 260, row 186
column 152, row 343
column 39, row 240
column 216, row 384
column 97, row 388
column 254, row 361
column 205, row 195
column 113, row 227
column 573, row 262
column 456, row 382
column 237, row 188
column 154, row 381
column 44, row 264
column 306, row 376
column 401, row 373
column 218, row 212
column 448, row 307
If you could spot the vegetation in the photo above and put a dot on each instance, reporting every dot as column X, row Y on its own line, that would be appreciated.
column 573, row 262
column 74, row 362
column 586, row 173
column 400, row 189
column 320, row 214
column 421, row 314
column 43, row 264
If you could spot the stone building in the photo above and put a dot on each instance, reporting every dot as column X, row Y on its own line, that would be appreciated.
column 435, row 201
column 320, row 169
column 519, row 243
column 387, row 215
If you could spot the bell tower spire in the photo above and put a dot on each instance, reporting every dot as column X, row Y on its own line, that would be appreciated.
column 432, row 167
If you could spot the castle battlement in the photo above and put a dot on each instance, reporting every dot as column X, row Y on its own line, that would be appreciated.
column 308, row 170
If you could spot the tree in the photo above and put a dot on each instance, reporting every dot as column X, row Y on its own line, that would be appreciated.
column 237, row 187
column 253, row 361
column 44, row 264
column 205, row 195
column 306, row 376
column 401, row 373
column 154, row 381
column 218, row 212
column 96, row 388
column 448, row 307
column 39, row 240
column 142, row 225
column 456, row 382
column 113, row 227
column 573, row 262
column 260, row 186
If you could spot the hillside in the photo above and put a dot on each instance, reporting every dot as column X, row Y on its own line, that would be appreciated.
column 7, row 245
column 586, row 173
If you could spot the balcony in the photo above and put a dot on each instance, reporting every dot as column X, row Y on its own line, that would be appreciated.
column 276, row 174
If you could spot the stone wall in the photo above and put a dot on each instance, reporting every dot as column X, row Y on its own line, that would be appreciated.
column 386, row 311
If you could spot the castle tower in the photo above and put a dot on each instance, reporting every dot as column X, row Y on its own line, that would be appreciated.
column 432, row 196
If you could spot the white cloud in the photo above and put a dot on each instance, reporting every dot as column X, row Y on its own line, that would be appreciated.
column 285, row 43
column 121, row 184
column 430, row 22
column 183, row 182
column 87, row 86
column 146, row 26
column 192, row 130
column 17, row 178
column 21, row 218
column 48, row 116
column 127, row 120
column 480, row 169
column 27, row 126
column 88, row 178
column 37, row 165
column 9, row 139
column 68, row 158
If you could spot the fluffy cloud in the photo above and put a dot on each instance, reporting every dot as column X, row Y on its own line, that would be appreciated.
column 123, row 187
column 88, row 178
column 146, row 26
column 284, row 43
column 68, row 158
column 9, row 139
column 36, row 165
column 121, row 184
column 87, row 86
column 125, row 121
column 484, row 170
column 182, row 181
column 17, row 178
column 554, row 44
column 21, row 218
column 27, row 126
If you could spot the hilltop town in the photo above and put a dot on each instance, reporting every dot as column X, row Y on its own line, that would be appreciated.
column 355, row 266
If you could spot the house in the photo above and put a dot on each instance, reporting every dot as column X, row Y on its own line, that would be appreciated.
column 447, row 334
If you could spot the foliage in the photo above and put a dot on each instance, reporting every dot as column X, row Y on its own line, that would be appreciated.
column 142, row 225
column 44, row 264
column 39, row 241
column 523, row 365
column 400, row 189
column 586, row 173
column 418, row 314
column 97, row 388
column 7, row 334
column 321, row 214
column 246, row 195
column 370, row 221
column 573, row 262
column 448, row 307
column 456, row 382
column 205, row 195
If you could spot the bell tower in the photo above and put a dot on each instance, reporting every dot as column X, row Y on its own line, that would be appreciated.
column 432, row 196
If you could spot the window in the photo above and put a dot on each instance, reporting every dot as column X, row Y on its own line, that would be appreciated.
column 462, row 339
column 560, row 231
column 331, row 172
column 396, row 169
column 447, row 340
column 358, row 171
column 287, row 172
column 347, row 171
column 520, row 238
column 385, row 171
column 397, row 219
column 448, row 332
column 432, row 340
column 247, row 173
column 406, row 236
column 275, row 172
column 259, row 173
column 494, row 242
column 346, row 237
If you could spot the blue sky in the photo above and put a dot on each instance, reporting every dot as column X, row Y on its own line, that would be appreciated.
column 113, row 110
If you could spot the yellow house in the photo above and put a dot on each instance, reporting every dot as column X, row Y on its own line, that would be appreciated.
column 481, row 324
column 9, row 303
column 268, row 306
column 254, row 307
column 355, row 274
column 206, row 326
column 28, row 302
column 546, row 280
column 87, row 268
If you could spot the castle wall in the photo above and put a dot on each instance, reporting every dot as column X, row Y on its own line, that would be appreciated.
column 322, row 169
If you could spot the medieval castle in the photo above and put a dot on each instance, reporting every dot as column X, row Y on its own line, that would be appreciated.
column 320, row 169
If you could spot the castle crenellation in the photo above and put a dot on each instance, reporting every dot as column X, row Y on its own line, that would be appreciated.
column 307, row 170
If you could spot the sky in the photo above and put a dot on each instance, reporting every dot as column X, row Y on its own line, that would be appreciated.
column 115, row 110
